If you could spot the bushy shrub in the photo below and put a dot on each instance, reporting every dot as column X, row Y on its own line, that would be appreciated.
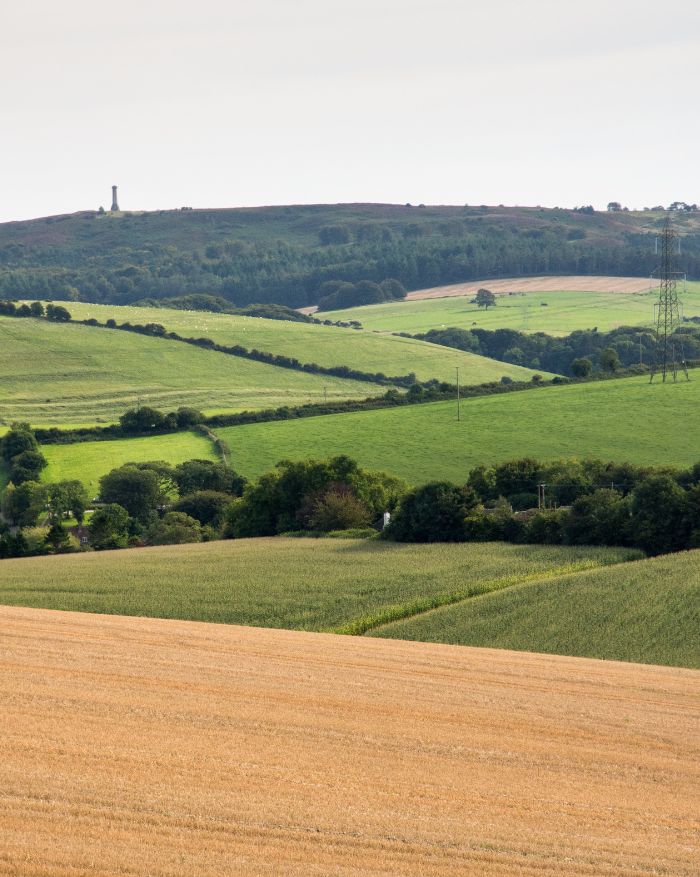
column 435, row 512
column 109, row 527
column 174, row 528
column 206, row 506
column 336, row 507
column 193, row 476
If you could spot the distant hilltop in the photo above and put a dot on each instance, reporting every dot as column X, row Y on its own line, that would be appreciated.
column 289, row 254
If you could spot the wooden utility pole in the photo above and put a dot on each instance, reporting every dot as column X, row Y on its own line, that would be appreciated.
column 457, row 370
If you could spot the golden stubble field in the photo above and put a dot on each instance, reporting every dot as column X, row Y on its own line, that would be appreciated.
column 148, row 747
column 578, row 283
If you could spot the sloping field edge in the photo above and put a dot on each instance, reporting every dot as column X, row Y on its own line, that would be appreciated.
column 422, row 605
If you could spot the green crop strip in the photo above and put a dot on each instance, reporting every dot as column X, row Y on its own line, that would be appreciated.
column 421, row 605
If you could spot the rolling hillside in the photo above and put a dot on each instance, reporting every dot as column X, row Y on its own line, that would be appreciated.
column 285, row 254
column 554, row 312
column 300, row 224
column 622, row 419
column 197, row 749
column 53, row 374
column 325, row 345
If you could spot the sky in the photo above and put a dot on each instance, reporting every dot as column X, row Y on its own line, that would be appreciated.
column 224, row 103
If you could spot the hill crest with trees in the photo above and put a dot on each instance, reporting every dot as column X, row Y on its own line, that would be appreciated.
column 286, row 255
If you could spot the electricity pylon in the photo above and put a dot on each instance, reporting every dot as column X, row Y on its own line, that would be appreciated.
column 668, row 354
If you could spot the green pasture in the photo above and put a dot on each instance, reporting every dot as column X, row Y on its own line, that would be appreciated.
column 556, row 313
column 647, row 611
column 89, row 461
column 324, row 345
column 624, row 419
column 61, row 374
column 303, row 584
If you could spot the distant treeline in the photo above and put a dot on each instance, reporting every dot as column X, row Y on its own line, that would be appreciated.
column 577, row 355
column 420, row 254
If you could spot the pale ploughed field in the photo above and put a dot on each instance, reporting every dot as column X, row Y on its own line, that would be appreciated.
column 579, row 283
column 135, row 746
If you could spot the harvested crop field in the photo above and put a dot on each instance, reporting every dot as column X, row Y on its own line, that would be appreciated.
column 142, row 746
column 578, row 283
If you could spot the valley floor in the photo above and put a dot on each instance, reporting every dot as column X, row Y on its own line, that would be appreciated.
column 142, row 746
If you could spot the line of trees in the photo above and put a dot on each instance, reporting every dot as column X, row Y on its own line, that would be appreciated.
column 579, row 355
column 567, row 502
column 55, row 313
column 589, row 502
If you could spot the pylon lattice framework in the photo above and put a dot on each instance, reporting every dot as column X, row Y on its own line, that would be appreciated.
column 668, row 354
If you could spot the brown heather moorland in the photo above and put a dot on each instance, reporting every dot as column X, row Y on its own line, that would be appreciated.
column 134, row 746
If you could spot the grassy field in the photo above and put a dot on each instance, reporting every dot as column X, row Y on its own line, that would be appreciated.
column 324, row 345
column 556, row 313
column 305, row 584
column 69, row 374
column 619, row 420
column 89, row 461
column 645, row 611
column 177, row 748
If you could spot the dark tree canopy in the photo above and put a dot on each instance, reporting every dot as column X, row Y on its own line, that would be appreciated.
column 136, row 490
column 435, row 512
column 197, row 475
column 206, row 506
column 109, row 527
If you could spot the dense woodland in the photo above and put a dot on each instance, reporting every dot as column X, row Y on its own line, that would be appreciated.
column 271, row 256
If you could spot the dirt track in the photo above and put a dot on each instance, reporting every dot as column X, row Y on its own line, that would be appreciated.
column 147, row 747
column 537, row 284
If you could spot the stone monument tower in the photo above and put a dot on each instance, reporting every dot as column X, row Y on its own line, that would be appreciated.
column 115, row 204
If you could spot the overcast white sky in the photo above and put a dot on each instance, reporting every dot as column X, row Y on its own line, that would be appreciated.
column 223, row 103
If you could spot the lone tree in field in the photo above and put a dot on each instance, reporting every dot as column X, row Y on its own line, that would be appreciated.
column 485, row 298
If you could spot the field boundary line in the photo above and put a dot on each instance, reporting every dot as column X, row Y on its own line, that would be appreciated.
column 422, row 605
column 222, row 446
